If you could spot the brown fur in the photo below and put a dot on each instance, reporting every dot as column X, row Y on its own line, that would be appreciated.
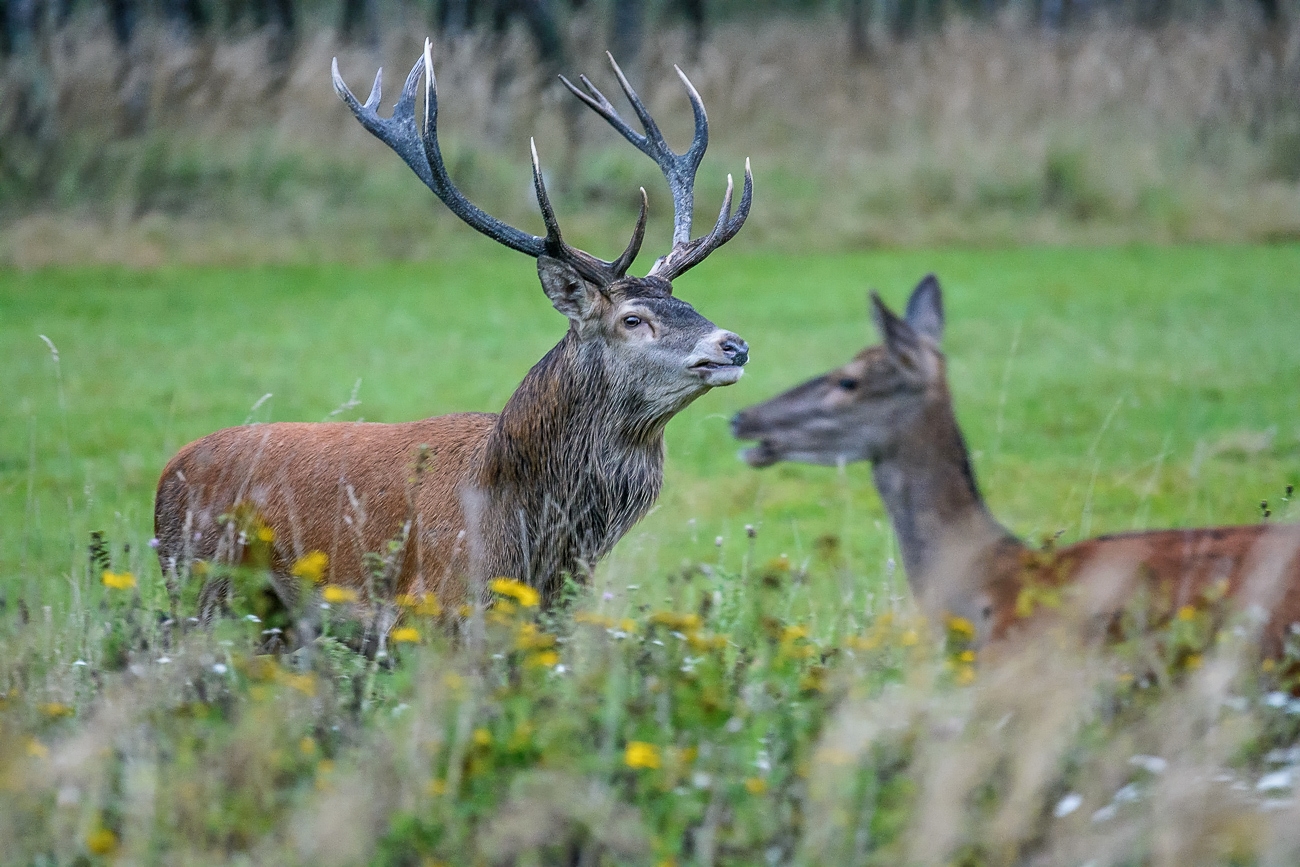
column 1255, row 565
column 891, row 405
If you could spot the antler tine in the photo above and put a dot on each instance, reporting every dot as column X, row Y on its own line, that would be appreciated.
column 624, row 261
column 398, row 132
column 596, row 101
column 553, row 239
column 418, row 147
column 683, row 257
column 701, row 141
column 444, row 189
column 678, row 169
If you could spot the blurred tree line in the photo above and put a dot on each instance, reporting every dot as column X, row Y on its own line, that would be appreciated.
column 23, row 23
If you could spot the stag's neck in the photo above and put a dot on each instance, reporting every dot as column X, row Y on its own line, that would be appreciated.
column 939, row 517
column 572, row 463
column 569, row 398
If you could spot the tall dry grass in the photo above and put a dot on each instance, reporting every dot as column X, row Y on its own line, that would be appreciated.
column 982, row 134
column 715, row 731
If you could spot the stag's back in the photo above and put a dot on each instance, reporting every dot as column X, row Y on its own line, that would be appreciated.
column 341, row 488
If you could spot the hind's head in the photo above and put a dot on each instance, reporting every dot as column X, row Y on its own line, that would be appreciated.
column 863, row 409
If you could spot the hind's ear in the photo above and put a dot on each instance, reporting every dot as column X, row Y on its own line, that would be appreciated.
column 925, row 309
column 571, row 295
column 914, row 356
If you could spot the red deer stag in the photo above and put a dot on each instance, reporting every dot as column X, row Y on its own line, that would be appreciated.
column 890, row 405
column 540, row 491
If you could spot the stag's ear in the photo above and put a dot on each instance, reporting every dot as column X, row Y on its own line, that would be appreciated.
column 906, row 347
column 925, row 309
column 570, row 294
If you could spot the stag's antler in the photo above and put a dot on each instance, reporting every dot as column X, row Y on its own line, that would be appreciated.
column 678, row 169
column 419, row 149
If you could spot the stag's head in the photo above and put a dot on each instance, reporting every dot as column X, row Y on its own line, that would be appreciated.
column 641, row 332
column 862, row 410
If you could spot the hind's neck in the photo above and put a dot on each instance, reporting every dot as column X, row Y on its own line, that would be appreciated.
column 939, row 517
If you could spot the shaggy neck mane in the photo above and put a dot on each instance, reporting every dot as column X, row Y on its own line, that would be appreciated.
column 574, row 460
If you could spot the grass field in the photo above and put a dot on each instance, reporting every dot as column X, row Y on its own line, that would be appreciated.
column 789, row 721
column 1100, row 389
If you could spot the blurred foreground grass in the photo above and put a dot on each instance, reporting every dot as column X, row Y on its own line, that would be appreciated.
column 718, row 696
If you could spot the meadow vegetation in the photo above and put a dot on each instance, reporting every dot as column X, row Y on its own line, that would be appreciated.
column 744, row 682
column 982, row 133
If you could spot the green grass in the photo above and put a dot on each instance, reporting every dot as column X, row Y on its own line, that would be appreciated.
column 1100, row 389
column 705, row 705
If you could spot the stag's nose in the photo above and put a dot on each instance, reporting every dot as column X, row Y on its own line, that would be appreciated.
column 735, row 348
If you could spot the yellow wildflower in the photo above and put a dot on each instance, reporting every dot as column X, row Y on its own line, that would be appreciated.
column 545, row 659
column 699, row 642
column 777, row 565
column 336, row 594
column 482, row 737
column 307, row 746
column 966, row 656
column 863, row 642
column 640, row 754
column 532, row 638
column 56, row 709
column 794, row 633
column 118, row 580
column 1024, row 603
column 1187, row 612
column 1193, row 662
column 675, row 621
column 628, row 625
column 303, row 683
column 961, row 628
column 101, row 841
column 519, row 591
column 909, row 638
column 36, row 749
column 755, row 785
column 965, row 675
column 406, row 634
column 424, row 605
column 311, row 566
column 593, row 619
column 437, row 787
column 1268, row 665
column 812, row 681
column 264, row 533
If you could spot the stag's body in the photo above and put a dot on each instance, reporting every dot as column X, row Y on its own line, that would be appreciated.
column 891, row 405
column 539, row 492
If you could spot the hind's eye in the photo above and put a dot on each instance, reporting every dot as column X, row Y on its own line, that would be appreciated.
column 631, row 321
column 848, row 384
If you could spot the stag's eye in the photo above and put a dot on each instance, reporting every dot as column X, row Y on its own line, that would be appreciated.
column 631, row 321
column 848, row 384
